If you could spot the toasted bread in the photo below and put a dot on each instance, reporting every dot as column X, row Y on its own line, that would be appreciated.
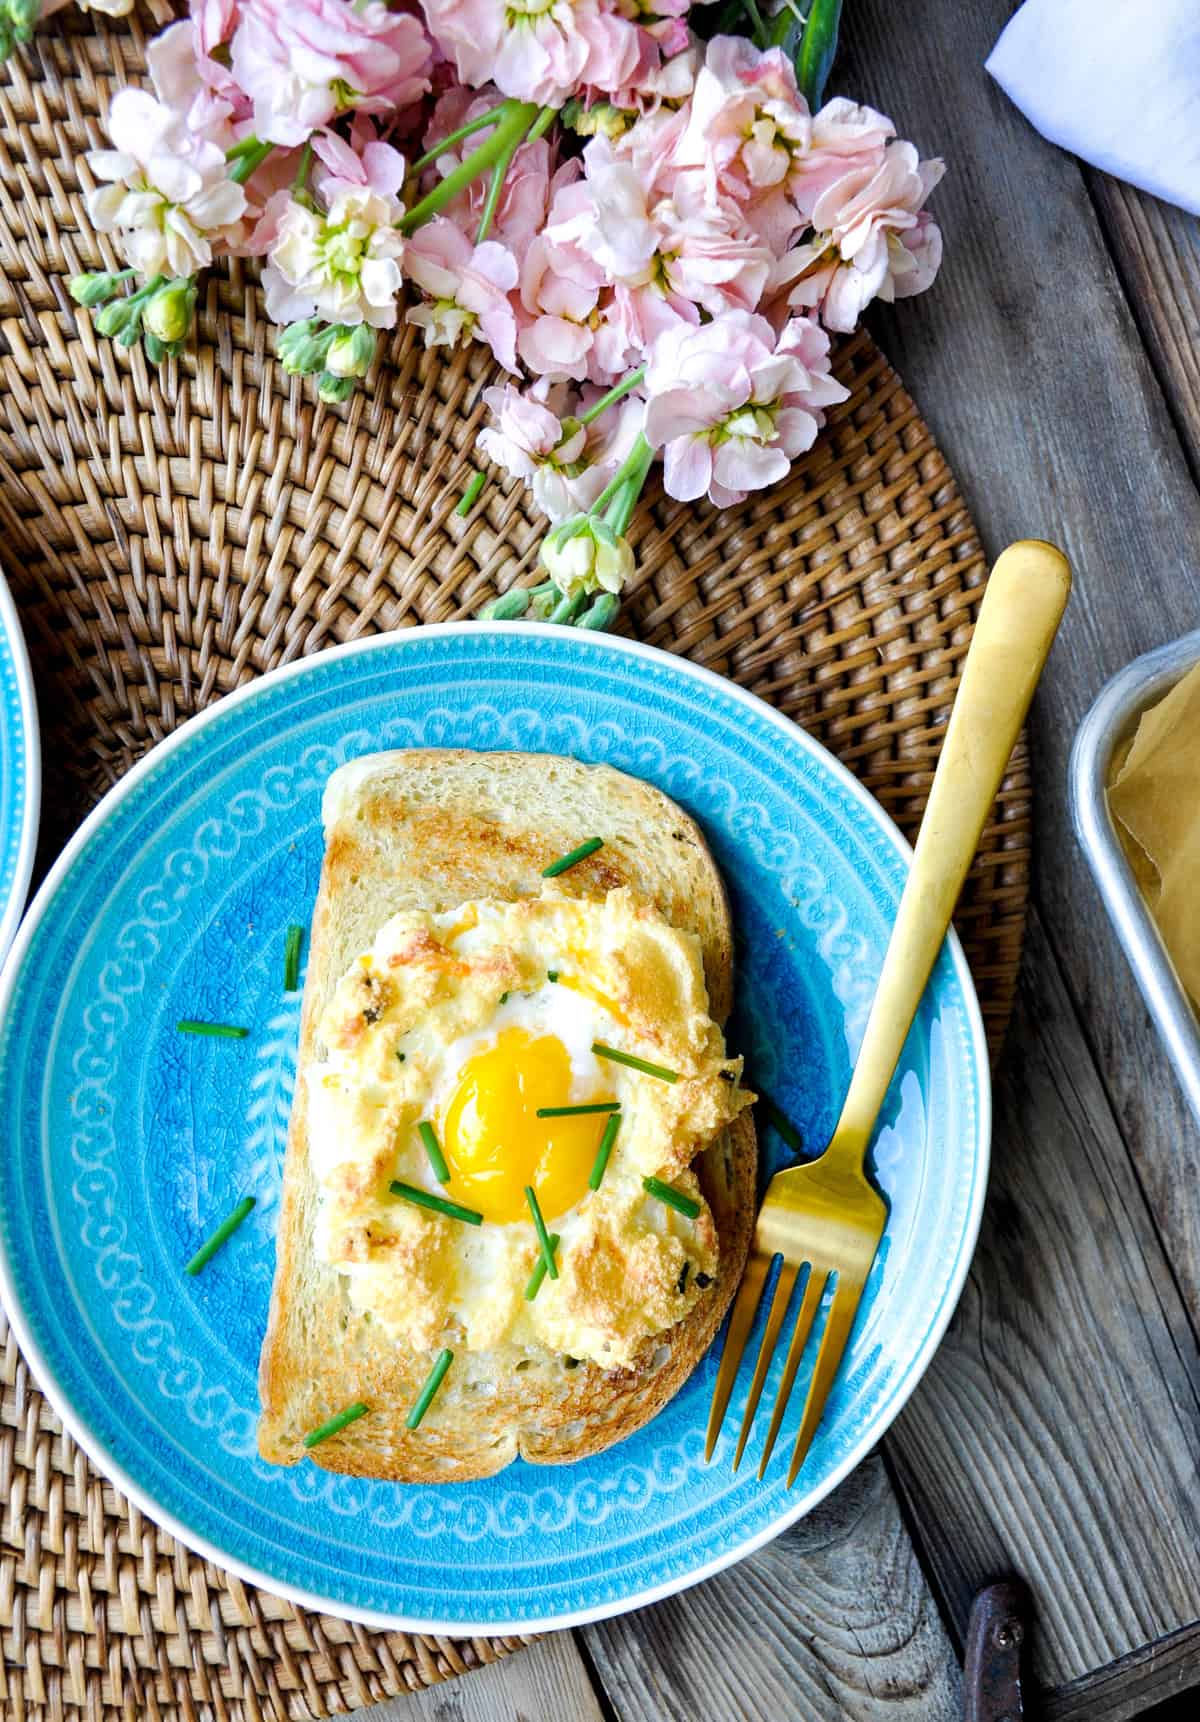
column 430, row 829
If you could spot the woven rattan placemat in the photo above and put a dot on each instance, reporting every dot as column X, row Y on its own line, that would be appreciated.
column 170, row 535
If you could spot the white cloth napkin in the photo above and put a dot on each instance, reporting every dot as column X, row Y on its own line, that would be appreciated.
column 1116, row 82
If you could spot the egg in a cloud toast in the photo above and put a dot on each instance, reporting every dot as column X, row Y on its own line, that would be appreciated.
column 516, row 1137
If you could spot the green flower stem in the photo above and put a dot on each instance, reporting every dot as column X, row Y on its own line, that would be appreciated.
column 601, row 612
column 761, row 35
column 499, row 175
column 451, row 138
column 147, row 291
column 509, row 133
column 616, row 503
column 470, row 495
column 300, row 183
column 541, row 125
column 246, row 157
column 616, row 393
column 500, row 172
column 567, row 609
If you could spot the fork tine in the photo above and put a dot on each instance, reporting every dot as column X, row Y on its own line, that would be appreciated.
column 740, row 1322
column 783, row 1292
column 833, row 1344
column 811, row 1302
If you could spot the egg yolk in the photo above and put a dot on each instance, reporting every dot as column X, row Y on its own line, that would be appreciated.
column 494, row 1142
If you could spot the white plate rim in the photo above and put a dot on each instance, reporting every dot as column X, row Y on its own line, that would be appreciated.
column 11, row 912
column 384, row 1620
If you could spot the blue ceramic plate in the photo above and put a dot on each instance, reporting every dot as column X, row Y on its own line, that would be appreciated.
column 19, row 773
column 125, row 1141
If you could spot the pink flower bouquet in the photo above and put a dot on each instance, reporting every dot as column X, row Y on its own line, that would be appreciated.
column 654, row 234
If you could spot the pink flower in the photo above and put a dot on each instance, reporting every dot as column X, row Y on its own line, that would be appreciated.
column 171, row 62
column 748, row 122
column 565, row 464
column 844, row 135
column 212, row 24
column 540, row 50
column 169, row 198
column 364, row 161
column 466, row 287
column 872, row 238
column 707, row 253
column 731, row 407
column 341, row 263
column 681, row 250
column 302, row 62
column 560, row 304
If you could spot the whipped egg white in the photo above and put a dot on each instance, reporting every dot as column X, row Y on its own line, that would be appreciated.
column 477, row 1021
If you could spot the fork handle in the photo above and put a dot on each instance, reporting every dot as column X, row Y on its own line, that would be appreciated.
column 1018, row 619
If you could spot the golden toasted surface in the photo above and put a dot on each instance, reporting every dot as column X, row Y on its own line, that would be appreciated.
column 388, row 823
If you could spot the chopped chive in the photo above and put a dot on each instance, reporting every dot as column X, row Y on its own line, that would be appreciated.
column 336, row 1424
column 779, row 1121
column 684, row 1271
column 504, row 997
column 543, row 1235
column 572, row 857
column 539, row 1270
column 600, row 1163
column 399, row 1056
column 470, row 495
column 674, row 1198
column 291, row 958
column 224, row 1030
column 225, row 1230
column 425, row 1397
column 433, row 1148
column 551, row 974
column 439, row 1204
column 578, row 1111
column 642, row 1064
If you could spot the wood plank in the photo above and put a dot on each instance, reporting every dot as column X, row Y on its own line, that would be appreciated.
column 548, row 1682
column 1059, row 1433
column 1029, row 366
column 832, row 1623
column 1156, row 248
column 1154, row 1675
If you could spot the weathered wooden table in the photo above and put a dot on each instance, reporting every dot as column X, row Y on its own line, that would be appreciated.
column 1057, row 1433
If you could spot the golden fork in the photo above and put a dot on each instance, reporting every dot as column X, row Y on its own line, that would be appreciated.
column 825, row 1214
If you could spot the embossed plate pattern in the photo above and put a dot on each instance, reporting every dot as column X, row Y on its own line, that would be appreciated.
column 19, row 769
column 126, row 1142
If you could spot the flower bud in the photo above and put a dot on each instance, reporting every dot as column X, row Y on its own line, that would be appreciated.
column 168, row 316
column 601, row 612
column 585, row 555
column 302, row 347
column 351, row 351
column 597, row 119
column 97, row 289
column 17, row 19
column 542, row 600
column 119, row 317
column 333, row 390
column 507, row 607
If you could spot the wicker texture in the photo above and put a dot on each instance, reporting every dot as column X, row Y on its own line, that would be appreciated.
column 170, row 535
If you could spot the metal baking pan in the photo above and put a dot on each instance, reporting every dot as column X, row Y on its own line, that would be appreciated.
column 1111, row 722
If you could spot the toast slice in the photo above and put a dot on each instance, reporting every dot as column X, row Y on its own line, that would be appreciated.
column 430, row 829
